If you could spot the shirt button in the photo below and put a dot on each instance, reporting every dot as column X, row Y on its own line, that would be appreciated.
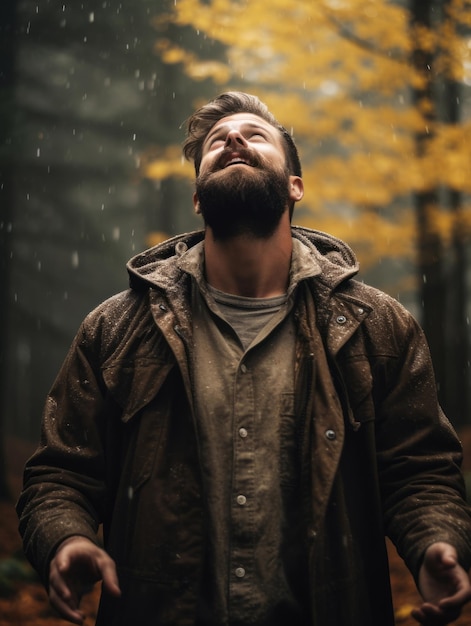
column 240, row 572
column 243, row 368
column 330, row 434
column 243, row 433
column 241, row 500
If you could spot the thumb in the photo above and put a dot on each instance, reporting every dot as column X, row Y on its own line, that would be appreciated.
column 442, row 556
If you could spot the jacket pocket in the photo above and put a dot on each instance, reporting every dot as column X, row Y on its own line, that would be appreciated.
column 158, row 512
column 134, row 384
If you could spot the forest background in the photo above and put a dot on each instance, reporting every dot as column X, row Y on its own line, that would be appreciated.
column 93, row 99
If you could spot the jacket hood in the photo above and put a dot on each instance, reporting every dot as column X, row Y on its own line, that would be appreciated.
column 158, row 267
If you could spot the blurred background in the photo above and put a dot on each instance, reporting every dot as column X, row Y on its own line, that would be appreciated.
column 93, row 101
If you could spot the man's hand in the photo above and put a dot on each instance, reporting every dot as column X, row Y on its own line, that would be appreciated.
column 77, row 565
column 444, row 585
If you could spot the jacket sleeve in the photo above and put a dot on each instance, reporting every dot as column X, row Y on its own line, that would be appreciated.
column 64, row 490
column 419, row 454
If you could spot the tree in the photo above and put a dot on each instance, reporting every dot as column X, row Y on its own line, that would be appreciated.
column 441, row 263
column 363, row 84
column 7, row 53
column 91, row 99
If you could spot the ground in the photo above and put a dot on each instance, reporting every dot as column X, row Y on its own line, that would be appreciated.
column 26, row 603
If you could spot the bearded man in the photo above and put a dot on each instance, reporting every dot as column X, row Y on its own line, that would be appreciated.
column 247, row 422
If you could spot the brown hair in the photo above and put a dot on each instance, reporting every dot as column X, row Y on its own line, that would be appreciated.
column 229, row 103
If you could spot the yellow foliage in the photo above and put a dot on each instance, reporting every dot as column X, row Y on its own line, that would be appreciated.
column 447, row 160
column 156, row 237
column 338, row 75
column 168, row 162
column 375, row 237
column 281, row 42
column 196, row 69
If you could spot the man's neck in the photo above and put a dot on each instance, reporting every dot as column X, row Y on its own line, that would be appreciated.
column 249, row 266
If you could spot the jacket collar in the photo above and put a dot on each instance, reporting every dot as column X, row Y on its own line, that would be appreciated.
column 329, row 259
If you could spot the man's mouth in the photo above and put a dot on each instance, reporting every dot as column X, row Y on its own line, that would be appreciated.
column 237, row 161
column 236, row 157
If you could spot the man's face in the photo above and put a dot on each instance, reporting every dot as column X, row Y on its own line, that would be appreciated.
column 243, row 184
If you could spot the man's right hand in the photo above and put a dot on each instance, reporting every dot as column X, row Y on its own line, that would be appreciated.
column 77, row 565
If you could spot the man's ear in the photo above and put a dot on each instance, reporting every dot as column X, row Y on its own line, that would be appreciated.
column 296, row 188
column 196, row 204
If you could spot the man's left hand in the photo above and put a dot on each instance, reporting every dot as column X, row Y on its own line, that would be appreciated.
column 444, row 585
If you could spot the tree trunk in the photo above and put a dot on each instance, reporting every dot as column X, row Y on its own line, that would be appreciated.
column 7, row 30
column 442, row 272
column 457, row 392
column 429, row 244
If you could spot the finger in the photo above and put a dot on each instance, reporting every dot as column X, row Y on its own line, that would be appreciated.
column 432, row 617
column 428, row 615
column 457, row 600
column 66, row 608
column 58, row 584
column 62, row 597
column 110, row 578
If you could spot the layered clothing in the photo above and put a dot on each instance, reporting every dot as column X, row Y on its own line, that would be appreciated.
column 121, row 444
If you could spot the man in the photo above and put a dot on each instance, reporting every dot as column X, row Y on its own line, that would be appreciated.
column 247, row 422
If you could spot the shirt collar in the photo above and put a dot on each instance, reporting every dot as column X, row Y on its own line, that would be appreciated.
column 303, row 265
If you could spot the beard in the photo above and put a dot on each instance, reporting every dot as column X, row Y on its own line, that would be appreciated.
column 243, row 200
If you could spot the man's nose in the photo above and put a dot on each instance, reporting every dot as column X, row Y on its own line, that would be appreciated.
column 234, row 137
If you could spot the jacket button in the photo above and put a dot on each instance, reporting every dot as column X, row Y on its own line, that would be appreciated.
column 330, row 435
column 240, row 572
column 341, row 319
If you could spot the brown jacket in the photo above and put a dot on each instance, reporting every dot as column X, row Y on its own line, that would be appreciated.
column 120, row 447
